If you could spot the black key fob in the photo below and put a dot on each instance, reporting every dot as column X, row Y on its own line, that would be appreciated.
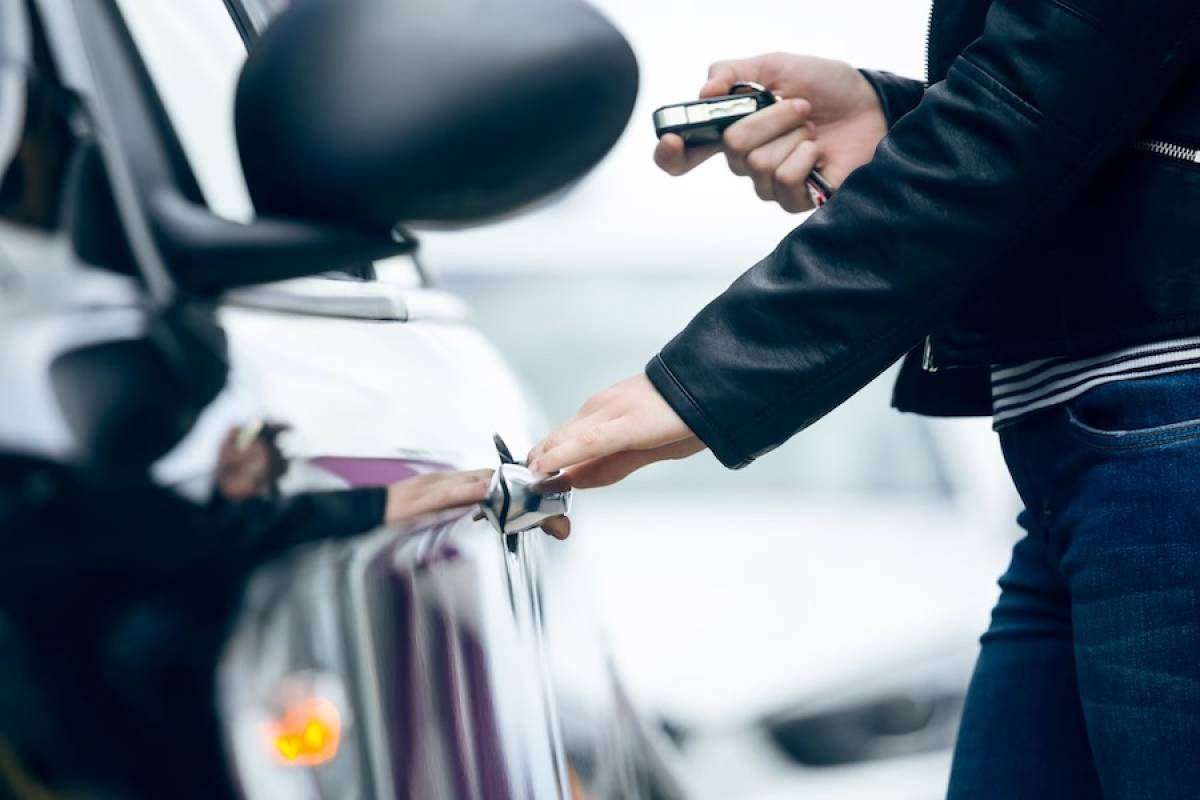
column 703, row 121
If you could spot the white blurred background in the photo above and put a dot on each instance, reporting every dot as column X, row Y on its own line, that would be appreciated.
column 804, row 627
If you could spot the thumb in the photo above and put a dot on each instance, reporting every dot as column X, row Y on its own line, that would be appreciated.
column 724, row 74
column 717, row 85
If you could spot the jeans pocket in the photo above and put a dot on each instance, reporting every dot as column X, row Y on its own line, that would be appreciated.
column 1138, row 412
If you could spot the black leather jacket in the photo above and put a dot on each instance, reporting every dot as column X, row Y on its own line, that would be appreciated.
column 1007, row 215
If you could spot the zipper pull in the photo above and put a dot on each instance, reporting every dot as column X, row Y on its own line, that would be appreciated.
column 927, row 356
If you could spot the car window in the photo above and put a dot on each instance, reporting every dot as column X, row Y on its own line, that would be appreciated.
column 568, row 334
column 193, row 53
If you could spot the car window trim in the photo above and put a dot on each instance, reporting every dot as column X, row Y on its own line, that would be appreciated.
column 243, row 20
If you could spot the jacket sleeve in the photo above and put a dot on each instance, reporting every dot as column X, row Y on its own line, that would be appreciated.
column 259, row 529
column 897, row 95
column 1048, row 94
column 58, row 525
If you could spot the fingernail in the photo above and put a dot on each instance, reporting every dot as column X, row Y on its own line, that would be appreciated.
column 801, row 106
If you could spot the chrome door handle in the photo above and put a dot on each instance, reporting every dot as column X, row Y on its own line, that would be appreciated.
column 519, row 499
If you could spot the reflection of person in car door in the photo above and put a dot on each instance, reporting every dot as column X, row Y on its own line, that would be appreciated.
column 249, row 467
column 1025, row 229
column 122, row 593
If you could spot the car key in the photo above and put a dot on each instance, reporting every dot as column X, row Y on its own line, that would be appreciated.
column 520, row 499
column 704, row 121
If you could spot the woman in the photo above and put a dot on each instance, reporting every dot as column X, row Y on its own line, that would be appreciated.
column 1025, row 229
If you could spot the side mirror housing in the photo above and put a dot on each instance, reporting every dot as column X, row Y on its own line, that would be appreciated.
column 369, row 113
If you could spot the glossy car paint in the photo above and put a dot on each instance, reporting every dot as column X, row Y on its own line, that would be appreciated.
column 432, row 632
column 369, row 388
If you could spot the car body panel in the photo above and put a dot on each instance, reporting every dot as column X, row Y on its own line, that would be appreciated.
column 367, row 388
column 429, row 629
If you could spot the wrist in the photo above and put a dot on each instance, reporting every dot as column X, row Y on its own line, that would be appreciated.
column 392, row 506
column 892, row 95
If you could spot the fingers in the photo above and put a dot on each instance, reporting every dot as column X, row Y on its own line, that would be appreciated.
column 579, row 434
column 553, row 439
column 555, row 484
column 256, row 461
column 723, row 74
column 587, row 441
column 433, row 481
column 438, row 491
column 788, row 184
column 612, row 469
column 558, row 527
column 454, row 489
column 600, row 407
column 630, row 415
column 765, row 160
column 674, row 158
column 441, row 491
column 747, row 135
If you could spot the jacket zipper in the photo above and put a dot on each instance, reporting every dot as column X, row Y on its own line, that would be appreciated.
column 1168, row 150
column 928, row 40
column 927, row 363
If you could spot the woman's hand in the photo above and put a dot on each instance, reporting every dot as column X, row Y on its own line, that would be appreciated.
column 248, row 468
column 830, row 118
column 616, row 432
column 444, row 491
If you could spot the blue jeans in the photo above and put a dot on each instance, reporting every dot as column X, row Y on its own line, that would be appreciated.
column 1088, row 681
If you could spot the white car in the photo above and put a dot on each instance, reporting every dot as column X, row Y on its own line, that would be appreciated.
column 441, row 659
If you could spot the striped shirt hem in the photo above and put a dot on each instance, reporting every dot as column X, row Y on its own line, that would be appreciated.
column 1021, row 389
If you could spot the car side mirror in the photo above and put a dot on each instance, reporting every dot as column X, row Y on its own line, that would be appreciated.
column 370, row 113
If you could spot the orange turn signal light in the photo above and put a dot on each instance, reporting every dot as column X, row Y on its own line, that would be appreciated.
column 307, row 734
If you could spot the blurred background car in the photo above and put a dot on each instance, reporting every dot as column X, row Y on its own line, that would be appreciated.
column 805, row 627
